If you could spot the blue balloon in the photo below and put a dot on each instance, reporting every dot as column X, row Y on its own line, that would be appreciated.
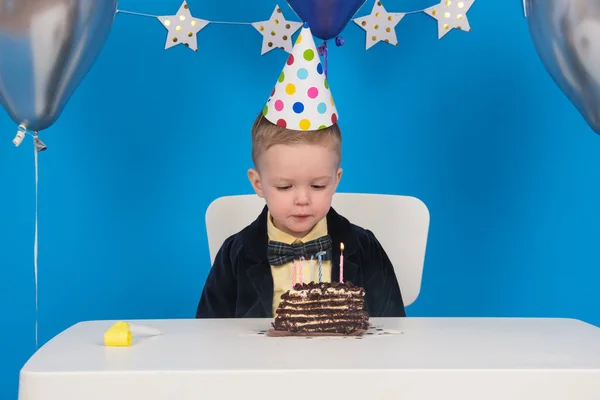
column 326, row 18
column 46, row 49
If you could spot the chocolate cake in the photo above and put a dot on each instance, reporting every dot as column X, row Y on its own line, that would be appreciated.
column 322, row 309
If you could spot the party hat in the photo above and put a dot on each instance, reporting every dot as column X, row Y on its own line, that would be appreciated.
column 302, row 99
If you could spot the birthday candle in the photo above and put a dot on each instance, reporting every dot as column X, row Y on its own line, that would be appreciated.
column 293, row 273
column 311, row 266
column 320, row 257
column 342, row 262
column 301, row 279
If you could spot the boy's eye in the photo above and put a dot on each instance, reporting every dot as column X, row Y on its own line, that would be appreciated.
column 283, row 187
column 318, row 186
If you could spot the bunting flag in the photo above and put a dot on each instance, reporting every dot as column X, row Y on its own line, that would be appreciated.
column 182, row 28
column 276, row 31
column 450, row 14
column 380, row 25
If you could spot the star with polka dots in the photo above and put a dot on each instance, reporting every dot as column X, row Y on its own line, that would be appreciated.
column 182, row 28
column 450, row 14
column 276, row 32
column 380, row 25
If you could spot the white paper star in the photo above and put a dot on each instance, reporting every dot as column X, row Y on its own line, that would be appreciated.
column 182, row 28
column 450, row 14
column 276, row 32
column 380, row 25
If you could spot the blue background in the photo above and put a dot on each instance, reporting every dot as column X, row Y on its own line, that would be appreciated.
column 471, row 124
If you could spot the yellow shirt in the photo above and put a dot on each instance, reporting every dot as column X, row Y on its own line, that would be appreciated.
column 282, row 274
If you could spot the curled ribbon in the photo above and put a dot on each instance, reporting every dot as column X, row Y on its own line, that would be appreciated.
column 322, row 49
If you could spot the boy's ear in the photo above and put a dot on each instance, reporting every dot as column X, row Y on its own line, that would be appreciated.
column 255, row 182
column 338, row 177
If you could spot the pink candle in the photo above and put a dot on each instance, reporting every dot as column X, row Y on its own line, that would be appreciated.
column 293, row 274
column 301, row 278
column 342, row 262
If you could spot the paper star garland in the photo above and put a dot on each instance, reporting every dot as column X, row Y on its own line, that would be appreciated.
column 276, row 32
column 450, row 14
column 182, row 28
column 380, row 25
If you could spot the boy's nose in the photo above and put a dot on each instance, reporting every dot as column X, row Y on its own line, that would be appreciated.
column 301, row 198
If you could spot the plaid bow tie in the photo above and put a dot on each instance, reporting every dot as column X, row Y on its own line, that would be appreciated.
column 280, row 253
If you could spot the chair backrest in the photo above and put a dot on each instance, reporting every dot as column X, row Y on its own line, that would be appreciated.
column 400, row 223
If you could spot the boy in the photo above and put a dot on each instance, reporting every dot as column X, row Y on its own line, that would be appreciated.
column 296, row 151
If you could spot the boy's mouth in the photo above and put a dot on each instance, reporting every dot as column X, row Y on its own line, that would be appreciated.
column 300, row 216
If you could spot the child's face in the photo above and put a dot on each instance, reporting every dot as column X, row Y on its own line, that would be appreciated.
column 297, row 183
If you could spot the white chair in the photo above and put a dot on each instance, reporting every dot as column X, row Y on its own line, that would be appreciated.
column 400, row 223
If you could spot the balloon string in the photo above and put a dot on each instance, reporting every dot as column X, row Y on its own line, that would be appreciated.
column 156, row 16
column 35, row 243
column 322, row 49
column 135, row 13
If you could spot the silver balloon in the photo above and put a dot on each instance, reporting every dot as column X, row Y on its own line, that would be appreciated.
column 46, row 49
column 566, row 35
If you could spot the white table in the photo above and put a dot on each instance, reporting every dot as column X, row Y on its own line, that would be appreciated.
column 421, row 358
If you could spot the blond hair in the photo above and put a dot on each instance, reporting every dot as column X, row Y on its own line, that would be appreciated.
column 265, row 134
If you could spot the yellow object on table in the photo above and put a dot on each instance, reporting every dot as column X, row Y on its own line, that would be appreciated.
column 118, row 335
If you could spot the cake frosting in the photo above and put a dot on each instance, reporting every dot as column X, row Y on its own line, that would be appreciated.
column 322, row 308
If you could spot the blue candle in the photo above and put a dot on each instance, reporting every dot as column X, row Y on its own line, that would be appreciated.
column 320, row 257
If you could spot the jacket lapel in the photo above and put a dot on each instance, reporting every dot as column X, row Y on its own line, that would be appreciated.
column 339, row 230
column 259, row 271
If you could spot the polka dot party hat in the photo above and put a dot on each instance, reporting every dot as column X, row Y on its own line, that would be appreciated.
column 302, row 99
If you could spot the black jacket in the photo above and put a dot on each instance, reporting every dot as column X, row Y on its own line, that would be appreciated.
column 240, row 284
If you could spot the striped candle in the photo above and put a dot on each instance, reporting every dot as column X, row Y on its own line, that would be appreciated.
column 320, row 256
